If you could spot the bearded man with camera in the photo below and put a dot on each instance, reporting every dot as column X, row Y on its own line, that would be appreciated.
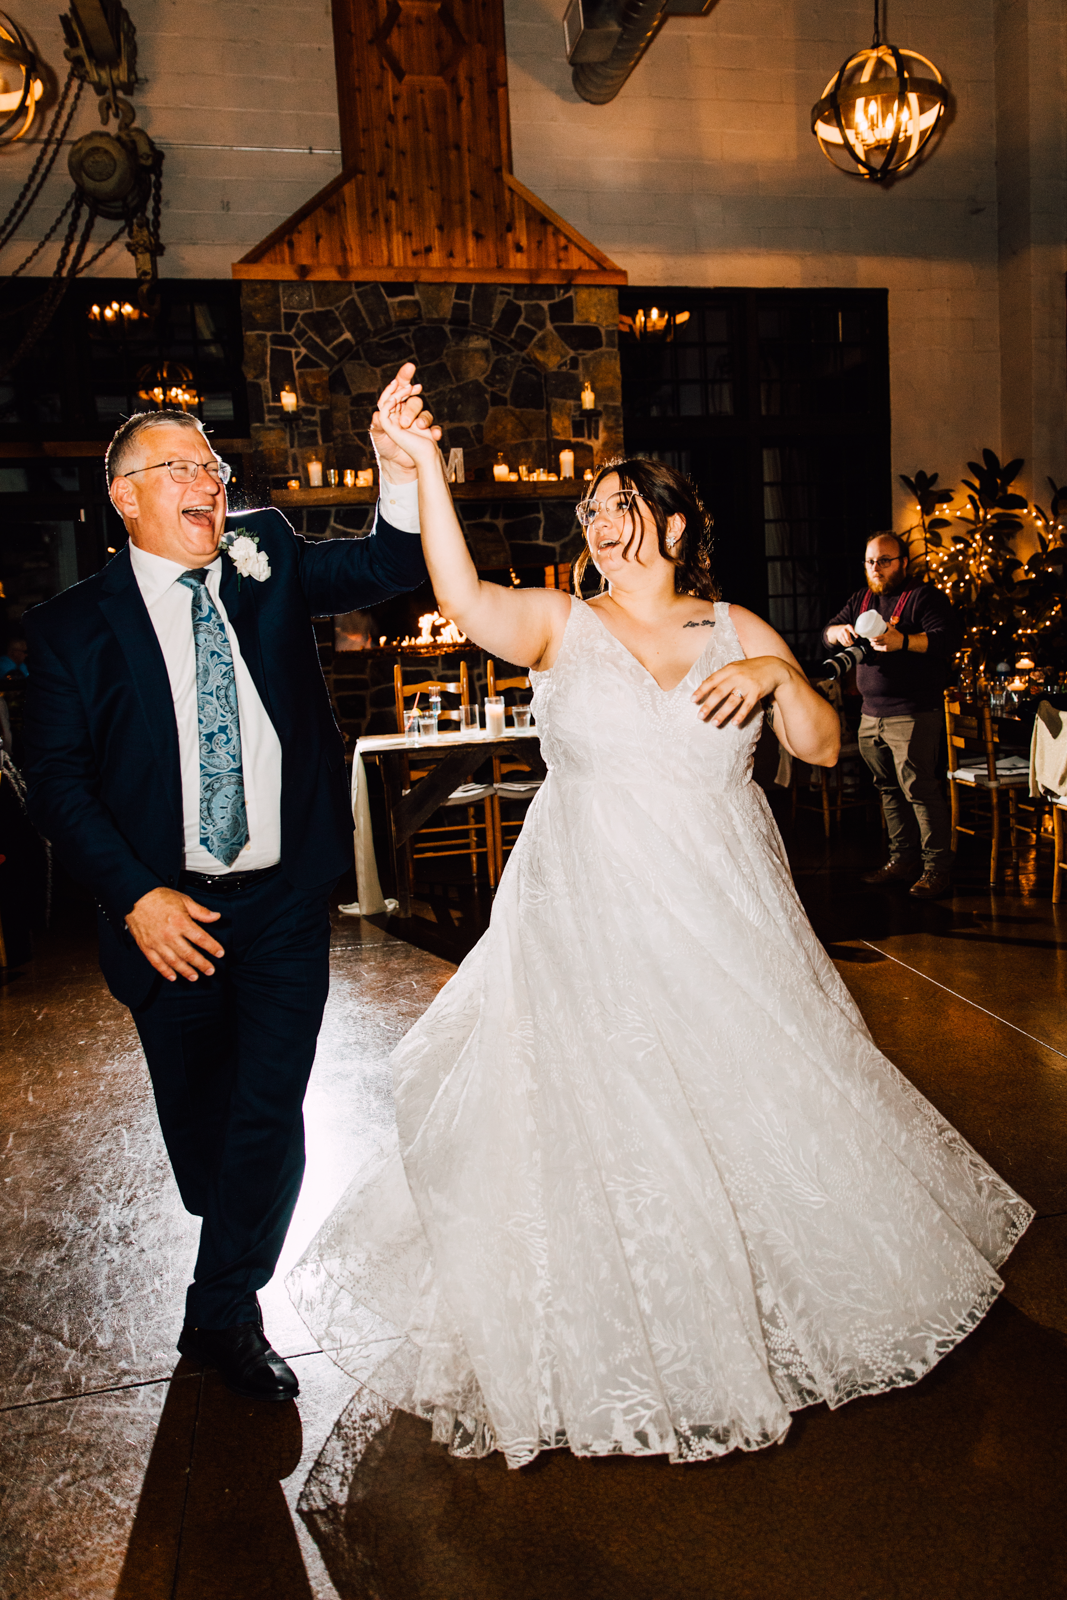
column 901, row 676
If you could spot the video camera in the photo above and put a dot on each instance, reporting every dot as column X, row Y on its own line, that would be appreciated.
column 869, row 625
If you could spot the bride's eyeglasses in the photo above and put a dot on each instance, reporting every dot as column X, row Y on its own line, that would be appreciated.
column 186, row 471
column 615, row 506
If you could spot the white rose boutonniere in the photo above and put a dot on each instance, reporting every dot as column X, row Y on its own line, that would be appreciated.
column 243, row 550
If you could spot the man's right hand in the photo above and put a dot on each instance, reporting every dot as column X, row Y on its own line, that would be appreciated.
column 167, row 936
column 843, row 635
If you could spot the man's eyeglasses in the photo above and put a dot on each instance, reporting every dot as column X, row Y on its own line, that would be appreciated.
column 615, row 506
column 186, row 471
column 883, row 561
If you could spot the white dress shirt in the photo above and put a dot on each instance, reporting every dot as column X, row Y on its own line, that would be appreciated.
column 170, row 605
column 399, row 504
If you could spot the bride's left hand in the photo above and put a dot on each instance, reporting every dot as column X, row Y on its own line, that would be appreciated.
column 734, row 692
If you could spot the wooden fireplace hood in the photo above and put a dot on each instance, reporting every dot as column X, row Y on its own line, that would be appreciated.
column 426, row 193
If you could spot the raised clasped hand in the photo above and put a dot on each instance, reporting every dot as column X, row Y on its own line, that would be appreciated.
column 734, row 692
column 166, row 926
column 402, row 431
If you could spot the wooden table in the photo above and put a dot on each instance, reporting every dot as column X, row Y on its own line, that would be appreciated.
column 452, row 759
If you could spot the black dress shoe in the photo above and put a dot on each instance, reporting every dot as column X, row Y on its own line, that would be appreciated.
column 243, row 1360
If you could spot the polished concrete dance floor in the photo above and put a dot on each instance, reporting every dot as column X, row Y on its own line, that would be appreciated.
column 125, row 1472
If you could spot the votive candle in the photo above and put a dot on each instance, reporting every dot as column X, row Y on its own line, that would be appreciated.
column 494, row 716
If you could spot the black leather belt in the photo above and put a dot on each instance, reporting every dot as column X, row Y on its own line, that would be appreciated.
column 226, row 882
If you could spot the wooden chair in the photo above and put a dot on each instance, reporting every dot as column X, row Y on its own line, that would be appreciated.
column 510, row 791
column 444, row 838
column 977, row 768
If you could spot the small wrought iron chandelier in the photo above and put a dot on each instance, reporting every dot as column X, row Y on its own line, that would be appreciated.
column 169, row 385
column 880, row 110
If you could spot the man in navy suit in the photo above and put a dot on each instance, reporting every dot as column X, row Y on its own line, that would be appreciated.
column 184, row 761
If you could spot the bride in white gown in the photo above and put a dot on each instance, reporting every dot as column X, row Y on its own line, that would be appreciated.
column 654, row 1187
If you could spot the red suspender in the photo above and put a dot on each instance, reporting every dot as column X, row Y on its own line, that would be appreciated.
column 868, row 602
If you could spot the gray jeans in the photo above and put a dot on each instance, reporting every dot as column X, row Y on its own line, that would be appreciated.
column 902, row 754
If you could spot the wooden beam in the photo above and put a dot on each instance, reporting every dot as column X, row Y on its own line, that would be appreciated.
column 287, row 272
column 564, row 227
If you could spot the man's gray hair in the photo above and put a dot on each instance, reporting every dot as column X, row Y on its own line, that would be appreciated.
column 124, row 443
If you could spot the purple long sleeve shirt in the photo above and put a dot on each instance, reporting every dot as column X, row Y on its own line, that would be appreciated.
column 899, row 684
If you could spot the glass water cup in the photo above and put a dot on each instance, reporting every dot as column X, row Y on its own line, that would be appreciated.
column 494, row 715
column 427, row 725
column 523, row 716
column 411, row 723
column 468, row 719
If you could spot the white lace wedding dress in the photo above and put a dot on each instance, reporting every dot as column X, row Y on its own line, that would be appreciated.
column 654, row 1186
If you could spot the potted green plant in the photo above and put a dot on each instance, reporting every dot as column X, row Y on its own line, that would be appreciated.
column 1007, row 601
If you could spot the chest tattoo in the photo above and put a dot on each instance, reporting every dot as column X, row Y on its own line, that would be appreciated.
column 705, row 622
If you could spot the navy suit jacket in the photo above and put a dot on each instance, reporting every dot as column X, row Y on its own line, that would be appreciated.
column 101, row 737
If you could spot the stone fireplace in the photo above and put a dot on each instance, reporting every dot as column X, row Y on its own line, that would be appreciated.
column 503, row 367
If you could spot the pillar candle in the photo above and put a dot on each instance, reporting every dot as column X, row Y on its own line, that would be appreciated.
column 494, row 716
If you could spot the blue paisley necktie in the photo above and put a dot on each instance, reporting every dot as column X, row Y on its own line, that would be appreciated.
column 223, row 821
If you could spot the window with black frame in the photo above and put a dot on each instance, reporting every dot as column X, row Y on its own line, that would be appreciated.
column 99, row 361
column 101, row 358
column 776, row 404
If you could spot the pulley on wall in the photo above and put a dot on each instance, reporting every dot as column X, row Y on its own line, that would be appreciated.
column 880, row 109
column 117, row 175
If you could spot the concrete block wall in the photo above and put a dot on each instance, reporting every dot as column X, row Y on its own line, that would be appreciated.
column 242, row 99
column 704, row 171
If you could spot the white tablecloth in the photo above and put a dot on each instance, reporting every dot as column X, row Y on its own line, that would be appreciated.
column 371, row 900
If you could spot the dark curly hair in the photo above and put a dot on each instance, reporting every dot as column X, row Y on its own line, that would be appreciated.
column 666, row 493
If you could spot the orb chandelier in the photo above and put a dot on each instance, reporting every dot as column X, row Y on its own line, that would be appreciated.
column 880, row 110
column 21, row 85
column 168, row 384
